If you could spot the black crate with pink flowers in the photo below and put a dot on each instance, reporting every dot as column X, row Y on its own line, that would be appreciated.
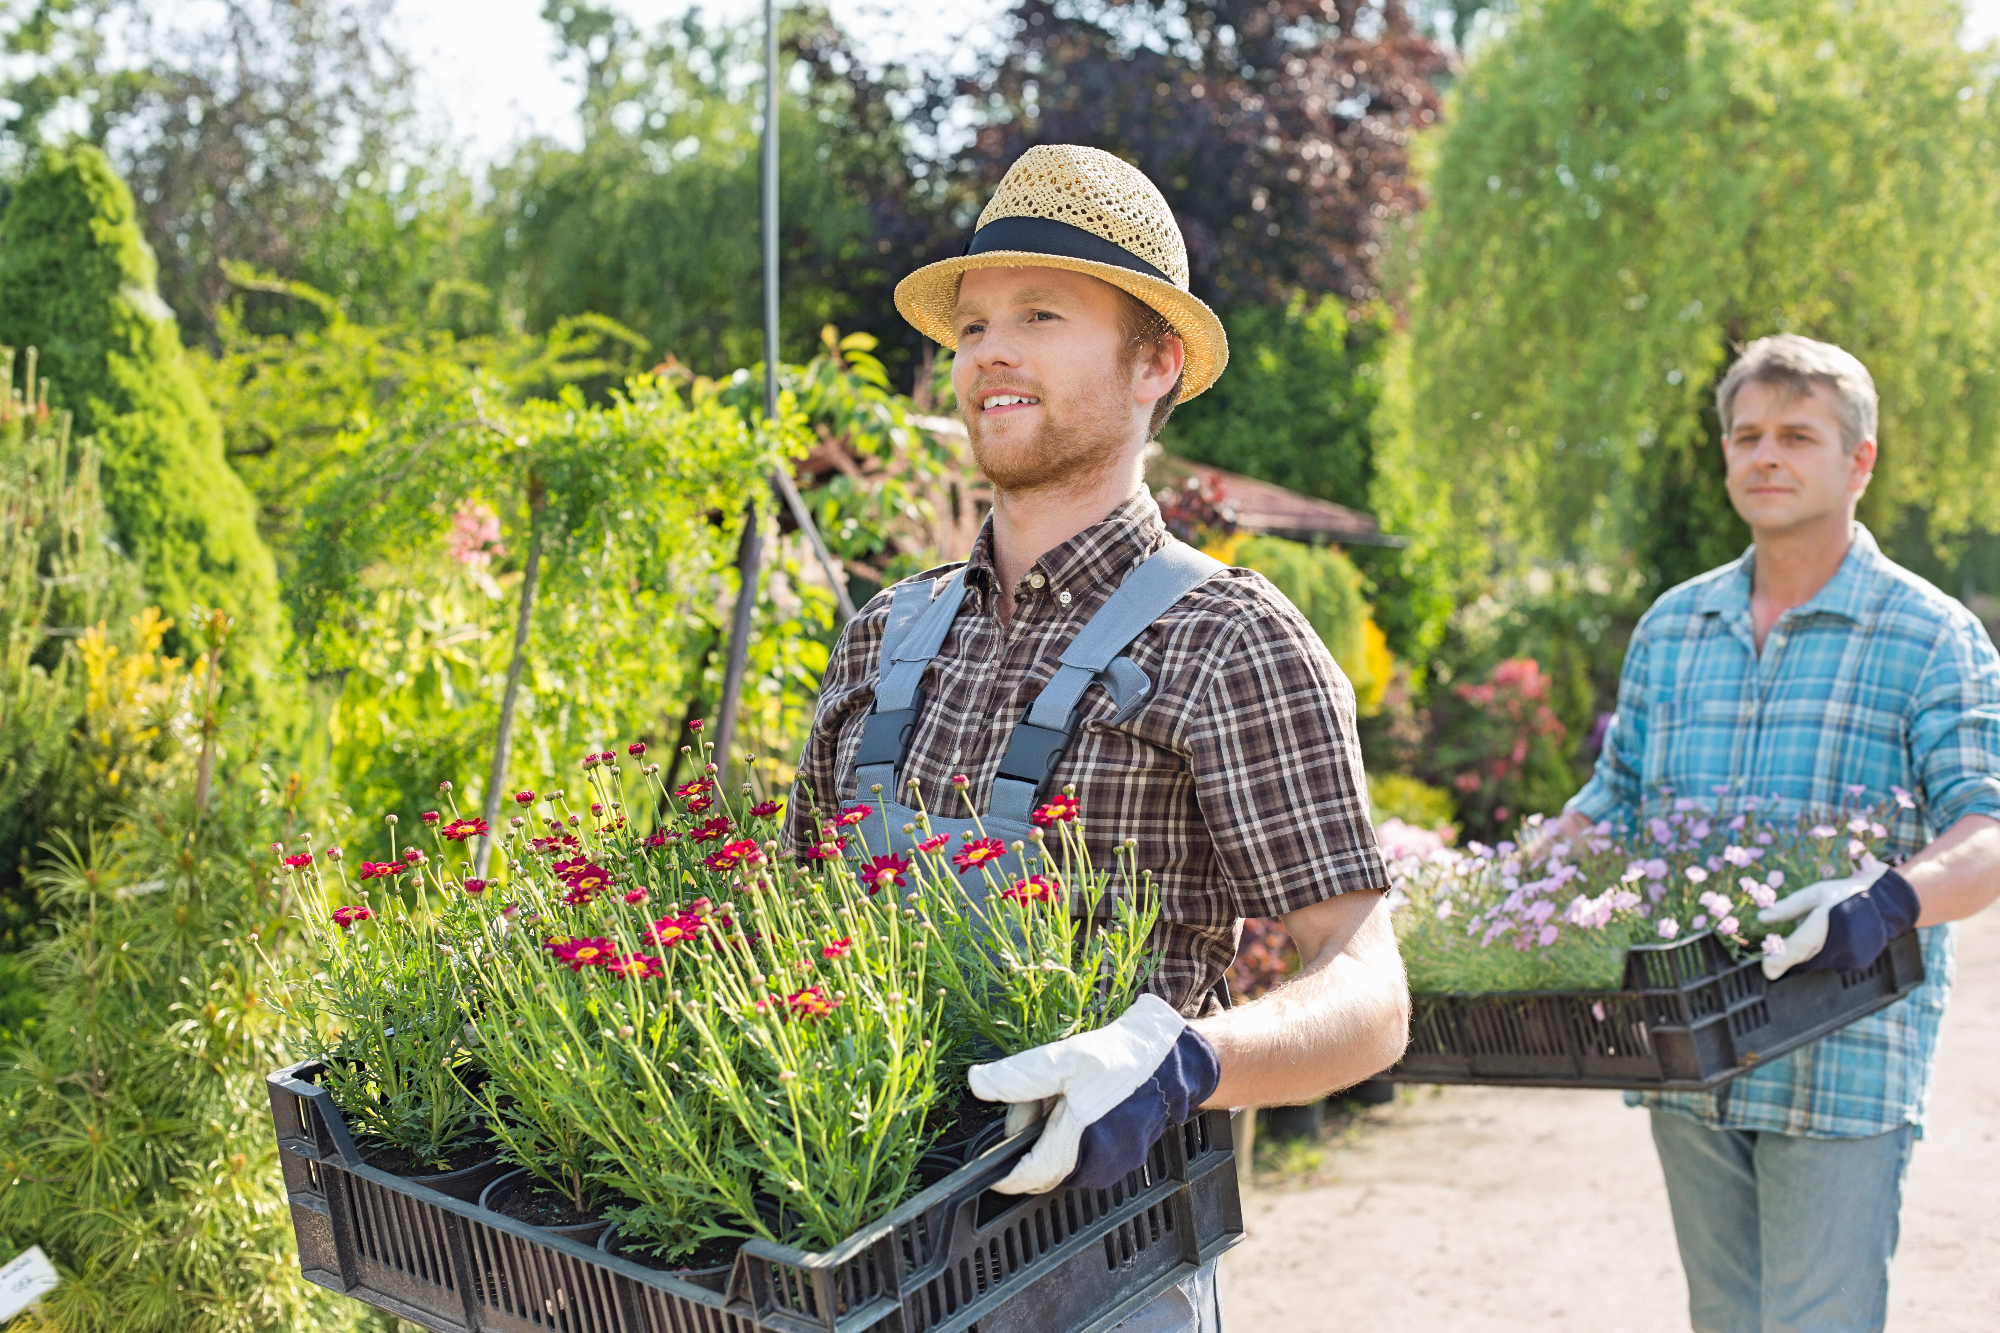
column 956, row 1258
column 1691, row 1015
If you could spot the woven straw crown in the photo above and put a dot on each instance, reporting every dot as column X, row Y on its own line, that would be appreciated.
column 1103, row 199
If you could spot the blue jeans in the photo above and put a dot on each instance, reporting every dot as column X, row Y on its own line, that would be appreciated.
column 1780, row 1233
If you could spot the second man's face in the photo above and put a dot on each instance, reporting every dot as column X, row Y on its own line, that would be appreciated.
column 1787, row 465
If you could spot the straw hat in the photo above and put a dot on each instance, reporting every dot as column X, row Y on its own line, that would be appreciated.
column 1062, row 206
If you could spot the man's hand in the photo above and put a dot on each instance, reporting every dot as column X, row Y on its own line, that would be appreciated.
column 1848, row 922
column 1108, row 1095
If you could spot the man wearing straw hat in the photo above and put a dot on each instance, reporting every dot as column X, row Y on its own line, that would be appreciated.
column 1192, row 707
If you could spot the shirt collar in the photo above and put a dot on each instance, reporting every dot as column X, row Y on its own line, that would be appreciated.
column 1846, row 594
column 1101, row 553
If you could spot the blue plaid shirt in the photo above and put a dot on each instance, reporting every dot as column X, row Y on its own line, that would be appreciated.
column 1879, row 681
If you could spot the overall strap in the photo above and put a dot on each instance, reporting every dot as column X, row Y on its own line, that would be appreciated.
column 1043, row 736
column 915, row 632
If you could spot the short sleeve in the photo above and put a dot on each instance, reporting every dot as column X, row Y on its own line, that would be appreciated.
column 1276, row 764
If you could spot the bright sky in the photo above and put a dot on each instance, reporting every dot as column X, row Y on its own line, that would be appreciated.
column 491, row 77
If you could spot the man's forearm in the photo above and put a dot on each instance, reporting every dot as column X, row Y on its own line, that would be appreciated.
column 1958, row 875
column 1345, row 1017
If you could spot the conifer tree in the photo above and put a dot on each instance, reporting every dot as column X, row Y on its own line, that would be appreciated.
column 77, row 281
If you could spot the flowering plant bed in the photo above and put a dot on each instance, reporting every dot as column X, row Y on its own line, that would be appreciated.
column 1571, row 963
column 647, row 1025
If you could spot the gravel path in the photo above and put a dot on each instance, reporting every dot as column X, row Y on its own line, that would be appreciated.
column 1491, row 1210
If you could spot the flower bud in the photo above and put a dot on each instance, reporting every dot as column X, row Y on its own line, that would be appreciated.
column 333, row 853
column 390, row 819
column 636, row 748
column 444, row 786
column 696, row 725
column 430, row 816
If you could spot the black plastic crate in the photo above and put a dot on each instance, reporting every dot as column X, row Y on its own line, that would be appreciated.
column 1690, row 1016
column 957, row 1258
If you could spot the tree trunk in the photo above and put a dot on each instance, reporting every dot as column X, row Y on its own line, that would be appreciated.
column 749, row 555
column 503, row 741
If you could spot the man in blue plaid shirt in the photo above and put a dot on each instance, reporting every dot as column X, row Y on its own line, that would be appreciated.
column 1814, row 670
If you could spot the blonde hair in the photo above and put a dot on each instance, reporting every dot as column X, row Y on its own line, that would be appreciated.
column 1796, row 363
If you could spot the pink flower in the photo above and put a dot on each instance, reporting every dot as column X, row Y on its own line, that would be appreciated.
column 637, row 896
column 715, row 829
column 1774, row 945
column 829, row 850
column 475, row 536
column 1727, row 926
column 1034, row 889
column 1548, row 935
column 854, row 814
column 978, row 852
column 1695, row 874
column 580, row 953
column 1669, row 928
column 345, row 917
column 764, row 809
column 669, row 931
column 475, row 887
column 933, row 843
column 837, row 949
column 524, row 798
column 379, row 870
column 1059, row 810
column 302, row 859
column 413, row 855
column 640, row 965
column 879, row 873
column 334, row 853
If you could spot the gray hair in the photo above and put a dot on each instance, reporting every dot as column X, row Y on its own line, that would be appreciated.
column 1796, row 363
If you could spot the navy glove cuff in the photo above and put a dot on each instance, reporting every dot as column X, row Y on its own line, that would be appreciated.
column 1115, row 1145
column 1860, row 928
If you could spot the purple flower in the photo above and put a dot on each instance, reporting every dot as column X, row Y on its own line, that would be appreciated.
column 1774, row 945
column 1728, row 925
column 1700, row 921
column 1669, row 927
column 1696, row 874
column 1548, row 936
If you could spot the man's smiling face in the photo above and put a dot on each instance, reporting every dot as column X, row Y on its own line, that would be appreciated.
column 1787, row 464
column 1045, row 379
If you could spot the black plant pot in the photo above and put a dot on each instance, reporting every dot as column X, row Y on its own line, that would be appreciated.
column 715, row 1278
column 519, row 1181
column 1293, row 1122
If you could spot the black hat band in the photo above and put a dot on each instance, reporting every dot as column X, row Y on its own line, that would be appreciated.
column 1046, row 236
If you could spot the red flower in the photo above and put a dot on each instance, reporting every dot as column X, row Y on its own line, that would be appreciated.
column 854, row 814
column 637, row 896
column 549, row 844
column 345, row 917
column 458, row 830
column 475, row 887
column 695, row 725
column 765, row 809
column 695, row 788
column 413, row 855
column 596, row 809
column 715, row 829
column 641, row 965
column 1060, row 809
column 1034, row 889
column 735, row 854
column 812, row 1002
column 671, row 930
column 837, row 949
column 334, row 853
column 699, row 804
column 379, row 870
column 829, row 850
column 636, row 748
column 524, row 798
column 878, row 873
column 978, row 853
column 580, row 953
column 660, row 838
column 934, row 842
column 590, row 761
column 302, row 859
column 430, row 816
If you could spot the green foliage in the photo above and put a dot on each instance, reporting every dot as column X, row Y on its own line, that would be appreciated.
column 1628, row 188
column 404, row 607
column 60, row 573
column 653, row 221
column 1296, row 406
column 76, row 280
column 1322, row 583
column 135, row 1139
column 1400, row 796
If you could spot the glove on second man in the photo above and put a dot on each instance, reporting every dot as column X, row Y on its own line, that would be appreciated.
column 1108, row 1095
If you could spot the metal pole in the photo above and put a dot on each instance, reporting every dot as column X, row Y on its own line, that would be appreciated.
column 749, row 554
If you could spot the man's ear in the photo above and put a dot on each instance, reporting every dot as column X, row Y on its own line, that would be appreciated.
column 1863, row 465
column 1161, row 371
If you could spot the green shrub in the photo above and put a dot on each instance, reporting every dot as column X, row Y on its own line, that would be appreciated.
column 77, row 281
column 1412, row 800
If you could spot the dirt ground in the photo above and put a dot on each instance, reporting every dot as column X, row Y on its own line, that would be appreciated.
column 1491, row 1210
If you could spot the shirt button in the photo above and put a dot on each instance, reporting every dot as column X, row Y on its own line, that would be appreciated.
column 1036, row 580
column 1063, row 597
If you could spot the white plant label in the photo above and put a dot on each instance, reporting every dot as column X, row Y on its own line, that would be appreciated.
column 25, row 1280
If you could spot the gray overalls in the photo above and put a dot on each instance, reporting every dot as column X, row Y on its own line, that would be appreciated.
column 916, row 631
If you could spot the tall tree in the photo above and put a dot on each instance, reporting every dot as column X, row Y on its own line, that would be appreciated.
column 1630, row 189
column 77, row 281
column 1278, row 130
column 277, row 133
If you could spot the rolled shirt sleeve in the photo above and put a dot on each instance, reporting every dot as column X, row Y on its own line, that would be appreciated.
column 1954, row 728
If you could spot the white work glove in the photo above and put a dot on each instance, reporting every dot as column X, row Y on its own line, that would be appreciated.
column 1120, row 1085
column 1816, row 903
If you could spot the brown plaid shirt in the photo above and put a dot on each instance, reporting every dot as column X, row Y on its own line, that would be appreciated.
column 1240, row 776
